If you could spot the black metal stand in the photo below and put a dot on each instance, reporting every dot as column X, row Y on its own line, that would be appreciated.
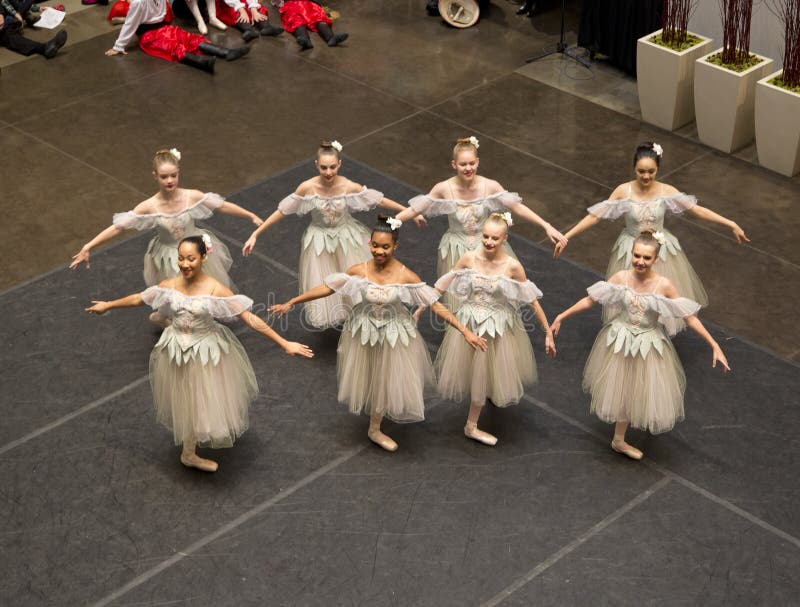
column 561, row 46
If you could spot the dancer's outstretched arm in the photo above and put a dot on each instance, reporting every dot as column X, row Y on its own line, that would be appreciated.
column 316, row 293
column 266, row 225
column 580, row 306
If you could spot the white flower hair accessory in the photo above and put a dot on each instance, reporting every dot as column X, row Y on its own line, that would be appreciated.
column 336, row 145
column 474, row 141
column 175, row 153
column 659, row 238
column 658, row 150
column 207, row 241
column 394, row 223
column 507, row 218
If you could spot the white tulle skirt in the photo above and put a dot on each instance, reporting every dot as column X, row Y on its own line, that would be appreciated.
column 161, row 262
column 501, row 373
column 647, row 392
column 385, row 380
column 331, row 311
column 205, row 401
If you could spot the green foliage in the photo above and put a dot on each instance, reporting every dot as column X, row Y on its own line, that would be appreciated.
column 688, row 43
column 743, row 61
column 778, row 81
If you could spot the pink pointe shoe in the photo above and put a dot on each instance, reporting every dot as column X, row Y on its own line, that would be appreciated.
column 471, row 431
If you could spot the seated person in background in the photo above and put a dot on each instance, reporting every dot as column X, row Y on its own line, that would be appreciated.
column 300, row 16
column 13, row 15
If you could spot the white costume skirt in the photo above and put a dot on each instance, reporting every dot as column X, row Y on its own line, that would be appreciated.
column 647, row 392
column 385, row 380
column 208, row 402
column 501, row 373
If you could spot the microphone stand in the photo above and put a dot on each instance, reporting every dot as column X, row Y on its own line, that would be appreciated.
column 561, row 46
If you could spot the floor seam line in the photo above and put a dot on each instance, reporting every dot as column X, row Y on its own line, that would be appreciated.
column 577, row 542
column 653, row 465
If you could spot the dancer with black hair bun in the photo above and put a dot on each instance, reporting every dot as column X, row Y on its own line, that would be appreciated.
column 633, row 372
column 467, row 199
column 489, row 287
column 172, row 212
column 334, row 241
column 383, row 365
column 202, row 379
column 643, row 203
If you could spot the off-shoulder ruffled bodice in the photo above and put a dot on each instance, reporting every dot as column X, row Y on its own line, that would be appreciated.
column 639, row 320
column 641, row 216
column 171, row 227
column 379, row 311
column 332, row 226
column 488, row 304
column 193, row 331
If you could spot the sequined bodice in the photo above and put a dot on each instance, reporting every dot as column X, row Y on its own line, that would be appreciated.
column 468, row 218
column 329, row 212
column 637, row 313
column 191, row 319
column 648, row 215
column 171, row 229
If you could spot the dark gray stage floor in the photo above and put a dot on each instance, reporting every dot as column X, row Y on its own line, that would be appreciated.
column 97, row 510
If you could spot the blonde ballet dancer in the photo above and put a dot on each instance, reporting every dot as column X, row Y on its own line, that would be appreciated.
column 633, row 372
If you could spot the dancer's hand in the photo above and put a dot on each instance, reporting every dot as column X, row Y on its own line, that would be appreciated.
column 112, row 51
column 255, row 218
column 719, row 357
column 249, row 246
column 242, row 17
column 559, row 248
column 555, row 236
column 550, row 344
column 81, row 257
column 292, row 348
column 99, row 307
column 475, row 341
column 555, row 326
column 420, row 221
column 280, row 309
column 739, row 235
column 257, row 16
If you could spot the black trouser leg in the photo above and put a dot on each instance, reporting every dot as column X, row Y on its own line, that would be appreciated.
column 301, row 35
column 201, row 62
column 14, row 41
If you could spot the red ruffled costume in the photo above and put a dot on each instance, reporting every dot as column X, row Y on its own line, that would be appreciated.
column 166, row 42
column 296, row 13
column 228, row 15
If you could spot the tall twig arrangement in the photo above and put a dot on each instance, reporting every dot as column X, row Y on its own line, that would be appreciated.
column 675, row 16
column 736, row 16
column 788, row 12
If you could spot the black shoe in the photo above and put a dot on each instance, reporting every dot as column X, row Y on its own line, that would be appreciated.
column 55, row 43
column 265, row 28
column 249, row 34
column 527, row 8
column 338, row 39
column 201, row 62
column 228, row 54
column 432, row 8
column 301, row 35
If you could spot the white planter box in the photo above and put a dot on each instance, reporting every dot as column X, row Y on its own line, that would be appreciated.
column 777, row 127
column 724, row 103
column 665, row 79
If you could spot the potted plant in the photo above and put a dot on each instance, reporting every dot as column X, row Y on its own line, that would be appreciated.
column 778, row 99
column 725, row 81
column 665, row 67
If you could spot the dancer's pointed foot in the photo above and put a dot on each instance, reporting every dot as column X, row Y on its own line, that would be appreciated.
column 192, row 460
column 620, row 446
column 383, row 441
column 471, row 431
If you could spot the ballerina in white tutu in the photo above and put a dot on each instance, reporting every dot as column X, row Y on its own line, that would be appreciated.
column 334, row 241
column 467, row 199
column 643, row 203
column 383, row 365
column 633, row 372
column 172, row 211
column 489, row 288
column 202, row 380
